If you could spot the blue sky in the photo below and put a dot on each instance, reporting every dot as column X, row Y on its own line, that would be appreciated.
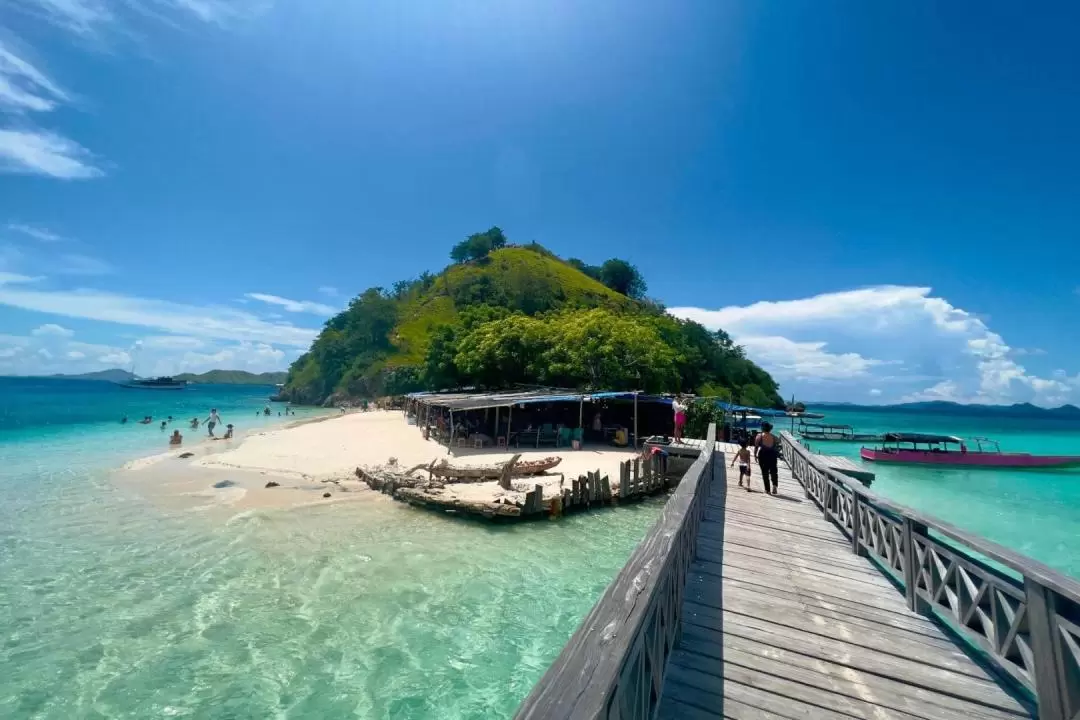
column 880, row 200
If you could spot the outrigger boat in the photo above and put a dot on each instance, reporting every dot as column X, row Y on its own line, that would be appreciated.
column 921, row 449
column 842, row 433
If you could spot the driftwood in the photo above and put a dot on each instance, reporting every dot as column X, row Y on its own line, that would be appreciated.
column 507, row 472
column 388, row 478
column 481, row 473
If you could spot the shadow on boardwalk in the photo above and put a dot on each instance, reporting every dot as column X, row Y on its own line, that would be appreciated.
column 781, row 620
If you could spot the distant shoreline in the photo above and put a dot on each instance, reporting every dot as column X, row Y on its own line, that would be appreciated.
column 1019, row 410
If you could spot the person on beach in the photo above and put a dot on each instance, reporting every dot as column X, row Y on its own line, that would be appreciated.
column 743, row 458
column 228, row 433
column 767, row 456
column 176, row 438
column 194, row 423
column 212, row 421
column 680, row 417
column 163, row 424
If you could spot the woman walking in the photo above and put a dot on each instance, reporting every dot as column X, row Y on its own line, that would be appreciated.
column 767, row 456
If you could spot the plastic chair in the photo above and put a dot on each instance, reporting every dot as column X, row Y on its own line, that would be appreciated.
column 564, row 438
column 478, row 442
column 500, row 441
column 578, row 434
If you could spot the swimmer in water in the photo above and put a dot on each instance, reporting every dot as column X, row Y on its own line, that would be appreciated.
column 176, row 438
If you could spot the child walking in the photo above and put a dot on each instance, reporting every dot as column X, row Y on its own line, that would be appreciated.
column 743, row 458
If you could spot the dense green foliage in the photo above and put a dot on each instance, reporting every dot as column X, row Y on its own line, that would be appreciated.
column 478, row 245
column 234, row 377
column 505, row 315
column 619, row 275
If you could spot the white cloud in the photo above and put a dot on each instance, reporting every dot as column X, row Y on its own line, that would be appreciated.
column 79, row 16
column 295, row 306
column 39, row 152
column 875, row 392
column 91, row 17
column 118, row 357
column 38, row 233
column 153, row 355
column 219, row 323
column 9, row 278
column 25, row 88
column 805, row 360
column 72, row 264
column 898, row 339
column 51, row 329
column 173, row 342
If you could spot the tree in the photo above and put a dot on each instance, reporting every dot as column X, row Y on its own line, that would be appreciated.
column 754, row 396
column 478, row 245
column 622, row 277
column 601, row 349
column 591, row 270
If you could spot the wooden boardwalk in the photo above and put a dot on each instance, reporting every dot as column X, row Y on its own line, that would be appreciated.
column 781, row 620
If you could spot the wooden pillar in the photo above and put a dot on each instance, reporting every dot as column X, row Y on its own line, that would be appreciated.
column 912, row 529
column 635, row 421
column 509, row 419
column 495, row 432
column 450, row 436
column 581, row 412
column 1046, row 651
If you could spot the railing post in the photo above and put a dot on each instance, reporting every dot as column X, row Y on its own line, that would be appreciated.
column 912, row 528
column 1045, row 650
column 856, row 506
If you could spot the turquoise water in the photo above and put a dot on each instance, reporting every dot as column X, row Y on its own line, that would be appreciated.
column 1034, row 511
column 113, row 608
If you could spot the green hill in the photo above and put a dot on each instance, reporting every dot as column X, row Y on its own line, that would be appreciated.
column 505, row 315
column 234, row 377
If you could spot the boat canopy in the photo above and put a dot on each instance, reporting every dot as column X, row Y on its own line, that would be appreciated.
column 920, row 438
column 763, row 412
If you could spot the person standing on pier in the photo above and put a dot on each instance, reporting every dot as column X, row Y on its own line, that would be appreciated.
column 767, row 456
column 679, row 408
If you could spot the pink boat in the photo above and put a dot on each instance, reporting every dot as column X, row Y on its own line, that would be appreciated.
column 919, row 449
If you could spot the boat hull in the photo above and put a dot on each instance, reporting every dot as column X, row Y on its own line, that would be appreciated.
column 840, row 437
column 152, row 387
column 970, row 459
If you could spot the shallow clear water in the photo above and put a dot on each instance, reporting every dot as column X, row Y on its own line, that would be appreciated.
column 1034, row 511
column 113, row 608
column 110, row 608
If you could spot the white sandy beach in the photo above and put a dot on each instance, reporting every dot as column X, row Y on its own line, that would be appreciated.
column 302, row 457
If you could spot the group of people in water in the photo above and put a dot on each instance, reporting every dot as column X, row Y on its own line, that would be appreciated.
column 211, row 422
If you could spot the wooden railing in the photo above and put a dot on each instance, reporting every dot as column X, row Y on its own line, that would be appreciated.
column 613, row 666
column 1025, row 618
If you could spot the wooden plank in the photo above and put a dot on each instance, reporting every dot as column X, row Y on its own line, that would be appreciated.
column 703, row 690
column 605, row 489
column 711, row 642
